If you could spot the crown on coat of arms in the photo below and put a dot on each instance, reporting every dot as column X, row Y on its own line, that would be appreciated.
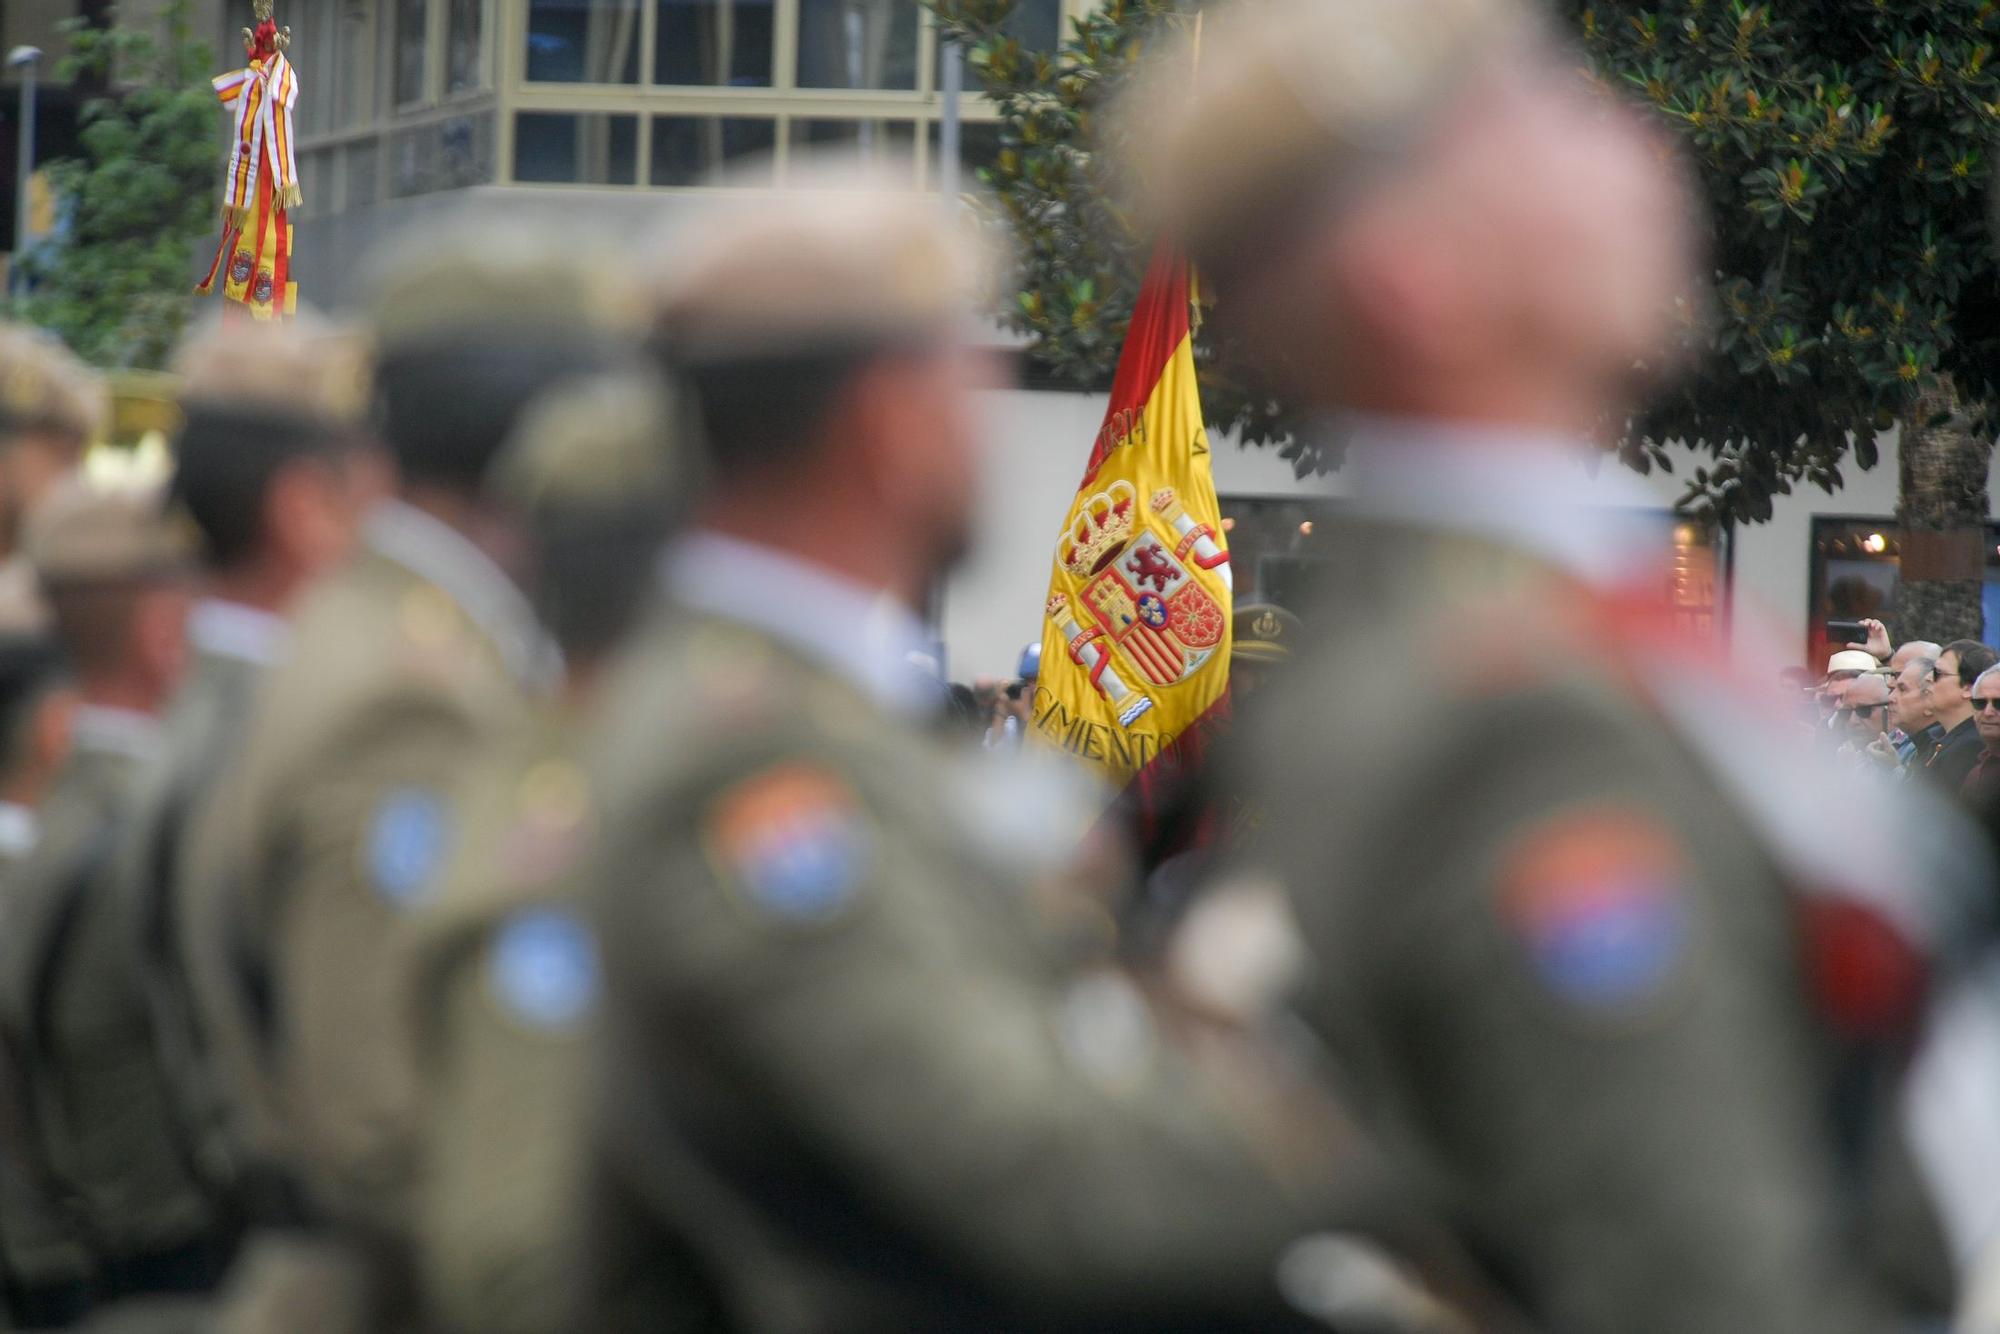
column 1102, row 527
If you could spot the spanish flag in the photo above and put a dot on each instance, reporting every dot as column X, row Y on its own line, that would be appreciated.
column 1135, row 643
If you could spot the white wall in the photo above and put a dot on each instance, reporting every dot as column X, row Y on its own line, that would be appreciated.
column 1039, row 441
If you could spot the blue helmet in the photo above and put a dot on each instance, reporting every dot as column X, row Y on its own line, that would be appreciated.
column 1031, row 662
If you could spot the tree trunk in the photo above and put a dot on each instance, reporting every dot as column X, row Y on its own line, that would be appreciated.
column 1943, row 516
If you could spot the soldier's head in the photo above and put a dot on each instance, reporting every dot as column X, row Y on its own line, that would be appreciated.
column 275, row 463
column 115, row 568
column 1910, row 704
column 51, row 407
column 1420, row 207
column 596, row 476
column 1263, row 638
column 824, row 342
column 472, row 319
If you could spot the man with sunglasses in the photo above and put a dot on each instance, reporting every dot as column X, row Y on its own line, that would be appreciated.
column 1863, row 716
column 1982, row 784
column 1958, row 667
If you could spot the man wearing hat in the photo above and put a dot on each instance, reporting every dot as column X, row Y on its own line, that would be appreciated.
column 1264, row 636
column 271, row 475
column 52, row 407
column 848, row 1086
column 1559, row 923
column 407, row 659
column 115, row 570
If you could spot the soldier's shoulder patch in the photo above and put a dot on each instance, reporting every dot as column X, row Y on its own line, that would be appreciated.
column 794, row 840
column 1599, row 899
column 542, row 969
column 405, row 843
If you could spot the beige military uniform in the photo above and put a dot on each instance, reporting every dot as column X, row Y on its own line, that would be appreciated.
column 503, row 981
column 330, row 827
column 845, row 1069
column 1556, row 946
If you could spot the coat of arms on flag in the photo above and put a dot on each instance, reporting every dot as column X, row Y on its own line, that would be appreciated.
column 1136, row 640
column 261, row 182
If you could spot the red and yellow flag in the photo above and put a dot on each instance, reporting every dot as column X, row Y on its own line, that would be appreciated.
column 1135, row 643
column 261, row 180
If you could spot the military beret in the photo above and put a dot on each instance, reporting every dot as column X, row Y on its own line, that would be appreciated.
column 44, row 387
column 474, row 279
column 303, row 369
column 588, row 446
column 859, row 264
column 1263, row 633
column 86, row 531
column 1287, row 97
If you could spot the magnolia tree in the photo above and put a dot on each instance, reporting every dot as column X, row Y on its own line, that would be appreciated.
column 1841, row 151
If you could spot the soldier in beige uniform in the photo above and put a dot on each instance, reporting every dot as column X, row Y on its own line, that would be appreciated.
column 115, row 571
column 272, row 476
column 52, row 407
column 849, row 1084
column 502, row 967
column 405, row 662
column 1563, row 893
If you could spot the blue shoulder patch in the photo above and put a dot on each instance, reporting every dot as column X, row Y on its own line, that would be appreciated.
column 543, row 969
column 407, row 838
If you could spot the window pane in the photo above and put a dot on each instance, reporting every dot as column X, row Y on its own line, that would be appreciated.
column 363, row 173
column 353, row 103
column 583, row 41
column 715, row 42
column 576, row 148
column 464, row 70
column 313, row 54
column 1036, row 24
column 685, row 148
column 888, row 141
column 978, row 146
column 412, row 34
column 857, row 44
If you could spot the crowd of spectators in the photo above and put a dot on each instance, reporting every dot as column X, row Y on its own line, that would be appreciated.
column 1918, row 712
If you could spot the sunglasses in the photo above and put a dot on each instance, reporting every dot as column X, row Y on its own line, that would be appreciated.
column 1983, row 705
column 1873, row 708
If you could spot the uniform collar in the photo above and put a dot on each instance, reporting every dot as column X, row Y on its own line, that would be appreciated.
column 109, row 731
column 1527, row 490
column 863, row 634
column 237, row 630
column 19, row 827
column 439, row 554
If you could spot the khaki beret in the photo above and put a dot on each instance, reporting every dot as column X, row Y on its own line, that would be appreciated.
column 44, row 387
column 1263, row 633
column 469, row 278
column 1285, row 97
column 86, row 532
column 302, row 367
column 860, row 261
column 588, row 446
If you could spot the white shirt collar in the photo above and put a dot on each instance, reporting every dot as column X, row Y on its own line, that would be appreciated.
column 437, row 552
column 1528, row 490
column 19, row 828
column 237, row 630
column 112, row 731
column 862, row 633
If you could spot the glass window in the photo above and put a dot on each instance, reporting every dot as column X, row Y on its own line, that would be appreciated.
column 978, row 146
column 685, row 148
column 583, row 41
column 412, row 47
column 576, row 148
column 361, row 163
column 869, row 140
column 314, row 53
column 352, row 103
column 711, row 42
column 857, row 44
column 1036, row 24
column 465, row 30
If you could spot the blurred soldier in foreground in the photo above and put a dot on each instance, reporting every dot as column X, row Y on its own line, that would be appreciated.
column 115, row 570
column 272, row 474
column 1554, row 887
column 845, row 1071
column 51, row 407
column 405, row 662
column 503, row 969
